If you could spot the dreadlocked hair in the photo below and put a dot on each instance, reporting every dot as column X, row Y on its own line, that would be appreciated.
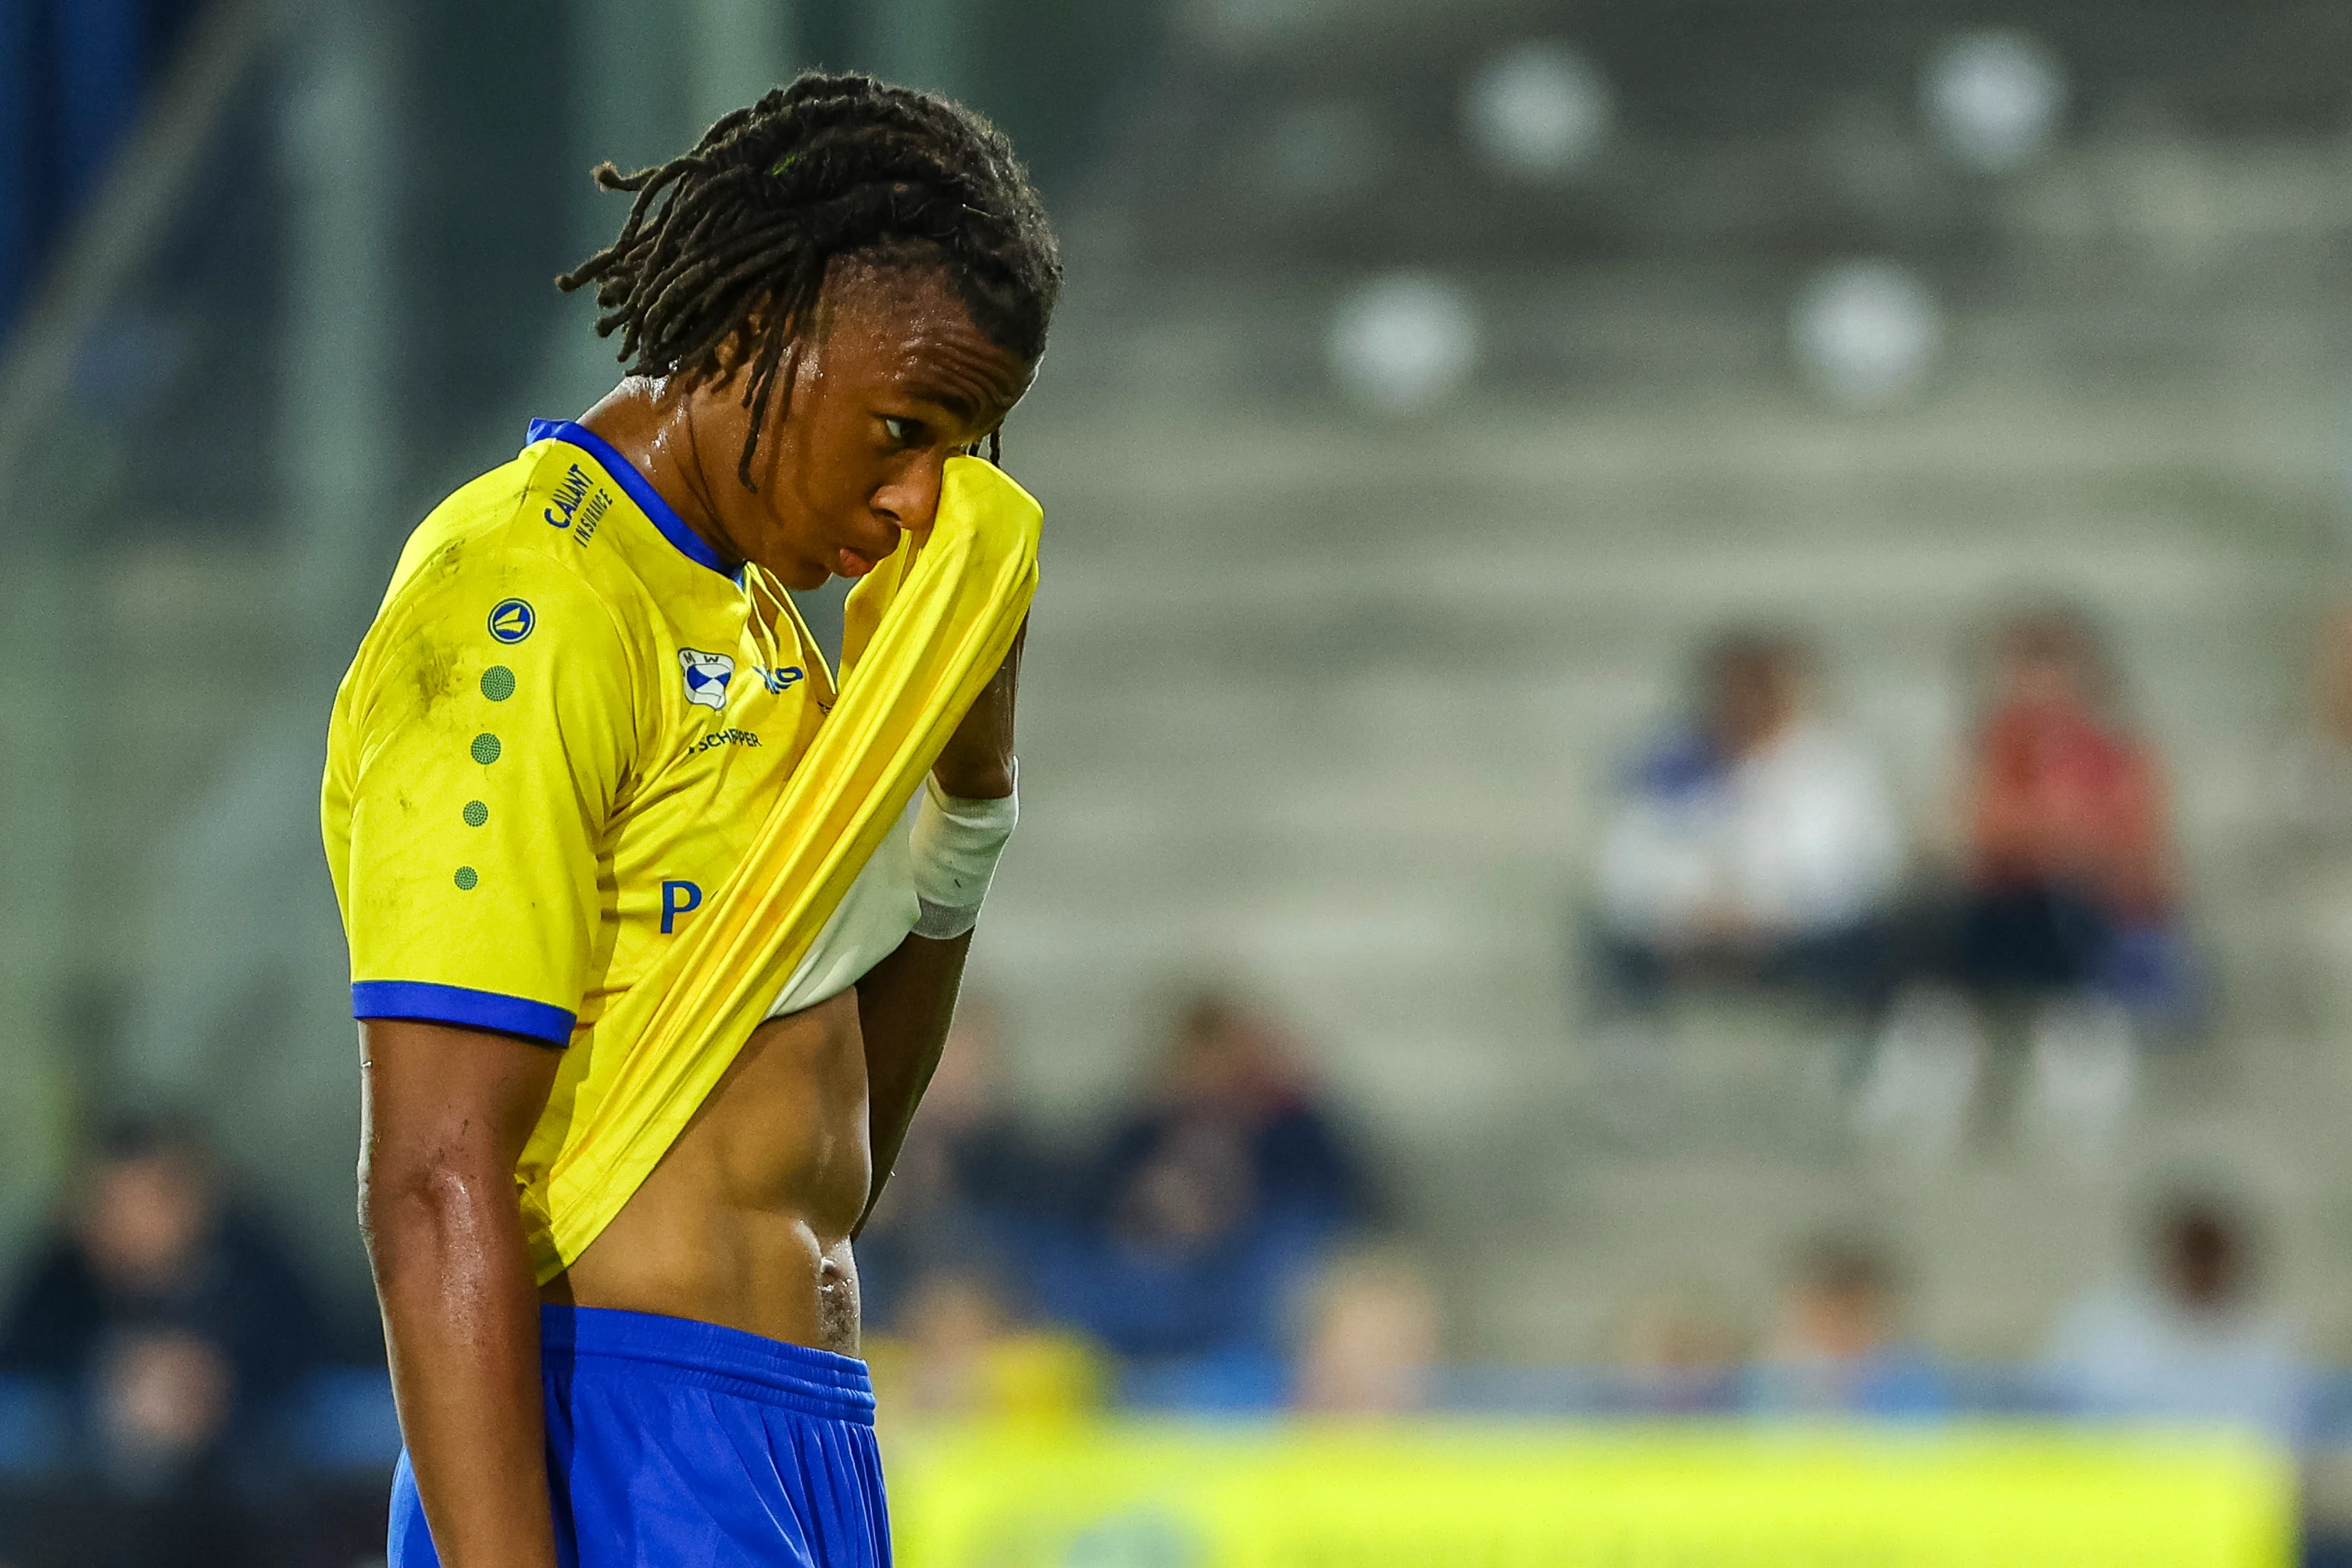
column 726, row 248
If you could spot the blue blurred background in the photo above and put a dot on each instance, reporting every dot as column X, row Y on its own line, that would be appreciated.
column 1688, row 741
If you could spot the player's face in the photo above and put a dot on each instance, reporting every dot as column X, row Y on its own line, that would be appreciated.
column 895, row 381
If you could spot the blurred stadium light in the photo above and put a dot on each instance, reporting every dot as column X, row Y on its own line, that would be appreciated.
column 1993, row 99
column 1403, row 342
column 1867, row 332
column 1537, row 110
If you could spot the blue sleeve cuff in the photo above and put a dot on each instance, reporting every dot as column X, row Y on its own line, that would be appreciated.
column 462, row 1006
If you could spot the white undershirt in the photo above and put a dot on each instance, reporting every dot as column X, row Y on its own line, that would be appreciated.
column 876, row 915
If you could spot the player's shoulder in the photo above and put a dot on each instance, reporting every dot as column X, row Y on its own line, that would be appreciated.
column 520, row 532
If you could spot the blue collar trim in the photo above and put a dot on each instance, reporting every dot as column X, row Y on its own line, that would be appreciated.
column 691, row 545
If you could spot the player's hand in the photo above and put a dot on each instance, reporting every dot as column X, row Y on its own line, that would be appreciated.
column 978, row 763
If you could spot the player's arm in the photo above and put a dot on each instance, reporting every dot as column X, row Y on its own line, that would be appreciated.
column 903, row 1006
column 905, row 1002
column 445, row 1112
column 482, row 741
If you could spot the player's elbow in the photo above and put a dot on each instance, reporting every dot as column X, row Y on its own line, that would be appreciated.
column 418, row 1207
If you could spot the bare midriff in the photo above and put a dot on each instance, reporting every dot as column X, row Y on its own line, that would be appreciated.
column 746, row 1222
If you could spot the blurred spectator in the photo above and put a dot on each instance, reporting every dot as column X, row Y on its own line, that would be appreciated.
column 1373, row 1339
column 1208, row 1202
column 163, row 1407
column 154, row 1252
column 959, row 1352
column 174, row 1322
column 1836, row 1351
column 1755, row 844
column 969, row 1180
column 1231, row 1071
column 2070, row 875
column 1677, row 1352
column 2189, row 1339
column 155, row 1494
column 2064, row 916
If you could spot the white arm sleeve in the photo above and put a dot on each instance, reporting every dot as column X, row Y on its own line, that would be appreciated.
column 926, row 877
column 874, row 918
column 955, row 846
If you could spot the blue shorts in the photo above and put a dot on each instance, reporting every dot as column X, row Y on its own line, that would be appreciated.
column 671, row 1442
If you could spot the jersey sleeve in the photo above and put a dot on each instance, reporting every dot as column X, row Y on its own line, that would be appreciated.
column 489, row 733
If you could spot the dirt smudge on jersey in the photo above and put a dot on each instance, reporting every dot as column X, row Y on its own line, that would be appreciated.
column 436, row 672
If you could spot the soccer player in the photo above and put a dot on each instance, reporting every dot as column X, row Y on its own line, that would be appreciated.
column 582, row 691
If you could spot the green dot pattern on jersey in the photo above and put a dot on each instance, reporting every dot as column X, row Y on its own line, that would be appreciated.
column 486, row 748
column 497, row 683
column 467, row 878
column 477, row 813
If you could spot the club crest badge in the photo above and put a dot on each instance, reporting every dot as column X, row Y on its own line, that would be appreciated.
column 706, row 675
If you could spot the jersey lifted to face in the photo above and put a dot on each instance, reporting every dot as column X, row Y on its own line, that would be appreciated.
column 560, row 735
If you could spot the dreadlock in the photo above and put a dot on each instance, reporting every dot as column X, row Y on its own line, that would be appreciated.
column 725, row 250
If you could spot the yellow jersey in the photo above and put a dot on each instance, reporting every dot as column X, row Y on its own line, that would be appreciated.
column 562, row 733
